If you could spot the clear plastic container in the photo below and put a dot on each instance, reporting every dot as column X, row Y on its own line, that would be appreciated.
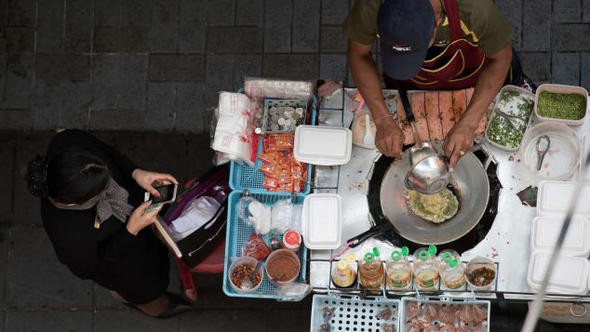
column 371, row 271
column 426, row 276
column 399, row 270
column 481, row 273
column 563, row 90
column 513, row 101
column 343, row 274
column 248, row 264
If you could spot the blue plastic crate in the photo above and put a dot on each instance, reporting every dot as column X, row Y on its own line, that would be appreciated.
column 242, row 176
column 237, row 234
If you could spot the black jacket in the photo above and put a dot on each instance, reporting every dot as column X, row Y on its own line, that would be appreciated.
column 134, row 266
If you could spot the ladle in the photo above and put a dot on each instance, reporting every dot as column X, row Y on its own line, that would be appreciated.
column 429, row 173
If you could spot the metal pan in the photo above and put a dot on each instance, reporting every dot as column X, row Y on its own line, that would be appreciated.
column 471, row 184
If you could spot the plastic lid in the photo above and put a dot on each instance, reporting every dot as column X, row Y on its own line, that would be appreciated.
column 350, row 258
column 369, row 258
column 432, row 249
column 405, row 251
column 554, row 197
column 342, row 265
column 453, row 262
column 376, row 251
column 396, row 255
column 322, row 145
column 447, row 257
column 423, row 255
column 322, row 221
column 570, row 274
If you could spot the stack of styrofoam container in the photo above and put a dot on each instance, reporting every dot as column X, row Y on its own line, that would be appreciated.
column 570, row 273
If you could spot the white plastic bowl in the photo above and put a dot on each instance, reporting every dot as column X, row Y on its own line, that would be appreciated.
column 250, row 261
column 562, row 159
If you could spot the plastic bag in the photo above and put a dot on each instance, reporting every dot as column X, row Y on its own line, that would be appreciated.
column 254, row 213
column 256, row 247
column 194, row 216
column 293, row 292
column 286, row 216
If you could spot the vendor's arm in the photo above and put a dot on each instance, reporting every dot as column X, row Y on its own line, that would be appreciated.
column 389, row 138
column 459, row 140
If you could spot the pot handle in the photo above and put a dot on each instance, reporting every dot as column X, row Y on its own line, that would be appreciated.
column 375, row 230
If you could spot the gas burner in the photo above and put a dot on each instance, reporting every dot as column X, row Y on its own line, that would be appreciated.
column 464, row 243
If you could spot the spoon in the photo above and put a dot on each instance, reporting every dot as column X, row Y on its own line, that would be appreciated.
column 247, row 280
column 543, row 143
column 510, row 119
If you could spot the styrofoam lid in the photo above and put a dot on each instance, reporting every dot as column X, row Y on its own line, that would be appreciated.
column 324, row 145
column 553, row 198
column 570, row 274
column 322, row 221
column 546, row 229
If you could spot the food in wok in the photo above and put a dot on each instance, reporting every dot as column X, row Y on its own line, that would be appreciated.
column 437, row 207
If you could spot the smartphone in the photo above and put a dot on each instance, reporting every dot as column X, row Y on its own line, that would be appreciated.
column 167, row 195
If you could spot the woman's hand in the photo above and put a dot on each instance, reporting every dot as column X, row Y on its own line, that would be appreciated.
column 140, row 218
column 147, row 180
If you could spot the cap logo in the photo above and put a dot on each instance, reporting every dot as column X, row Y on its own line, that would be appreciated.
column 401, row 48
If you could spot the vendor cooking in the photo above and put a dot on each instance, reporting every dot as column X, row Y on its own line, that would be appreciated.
column 427, row 45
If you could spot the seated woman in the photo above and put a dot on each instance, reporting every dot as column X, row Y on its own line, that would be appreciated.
column 88, row 193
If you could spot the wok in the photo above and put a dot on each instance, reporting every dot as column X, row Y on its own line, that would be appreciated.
column 471, row 185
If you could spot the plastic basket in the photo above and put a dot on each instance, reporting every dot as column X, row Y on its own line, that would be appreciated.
column 242, row 176
column 353, row 314
column 237, row 234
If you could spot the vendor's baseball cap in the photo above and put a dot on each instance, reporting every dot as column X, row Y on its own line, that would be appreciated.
column 405, row 30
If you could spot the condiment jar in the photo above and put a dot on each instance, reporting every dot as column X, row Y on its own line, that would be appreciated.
column 445, row 256
column 371, row 271
column 292, row 240
column 453, row 274
column 398, row 270
column 343, row 275
column 481, row 273
column 426, row 274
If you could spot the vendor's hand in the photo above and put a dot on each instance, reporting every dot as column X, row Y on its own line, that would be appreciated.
column 140, row 218
column 147, row 180
column 389, row 138
column 458, row 142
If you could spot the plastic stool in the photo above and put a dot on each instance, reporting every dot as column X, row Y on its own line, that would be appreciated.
column 211, row 264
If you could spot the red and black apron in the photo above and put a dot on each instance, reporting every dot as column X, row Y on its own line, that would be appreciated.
column 457, row 66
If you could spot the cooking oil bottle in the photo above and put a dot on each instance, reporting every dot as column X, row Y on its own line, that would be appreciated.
column 371, row 271
column 343, row 274
column 398, row 270
column 426, row 269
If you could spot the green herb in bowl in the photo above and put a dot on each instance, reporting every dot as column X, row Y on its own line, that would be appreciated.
column 567, row 106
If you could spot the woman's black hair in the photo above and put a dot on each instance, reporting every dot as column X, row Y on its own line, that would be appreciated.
column 73, row 175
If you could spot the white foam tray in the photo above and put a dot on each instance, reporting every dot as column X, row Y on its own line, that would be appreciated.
column 570, row 274
column 322, row 145
column 322, row 221
column 546, row 229
column 553, row 198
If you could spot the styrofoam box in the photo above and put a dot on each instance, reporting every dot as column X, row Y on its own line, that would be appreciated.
column 322, row 221
column 322, row 145
column 546, row 229
column 561, row 88
column 570, row 274
column 553, row 198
